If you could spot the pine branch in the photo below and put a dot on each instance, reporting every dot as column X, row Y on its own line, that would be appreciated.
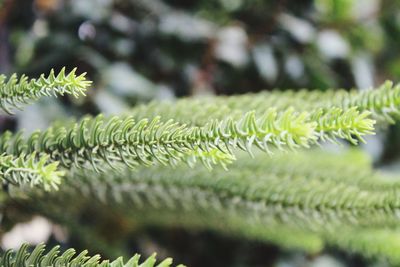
column 122, row 139
column 383, row 102
column 250, row 226
column 352, row 168
column 53, row 258
column 347, row 124
column 95, row 140
column 327, row 205
column 381, row 243
column 16, row 91
column 252, row 199
column 27, row 170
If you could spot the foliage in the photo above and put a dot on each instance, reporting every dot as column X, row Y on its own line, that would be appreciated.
column 297, row 201
column 303, row 201
column 28, row 170
column 14, row 91
column 245, row 196
column 125, row 168
column 37, row 257
column 382, row 102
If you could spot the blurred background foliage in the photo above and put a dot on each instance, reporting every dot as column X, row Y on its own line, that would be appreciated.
column 139, row 50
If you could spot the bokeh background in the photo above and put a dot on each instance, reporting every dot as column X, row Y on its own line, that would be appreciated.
column 139, row 50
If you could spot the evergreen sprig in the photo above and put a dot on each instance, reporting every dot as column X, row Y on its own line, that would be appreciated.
column 38, row 258
column 297, row 201
column 146, row 142
column 312, row 204
column 16, row 91
column 28, row 170
column 372, row 243
column 383, row 103
column 348, row 124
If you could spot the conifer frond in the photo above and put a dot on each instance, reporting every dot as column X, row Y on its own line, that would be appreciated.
column 144, row 142
column 309, row 204
column 353, row 167
column 252, row 199
column 15, row 91
column 122, row 139
column 27, row 170
column 375, row 243
column 383, row 103
column 347, row 124
column 296, row 200
column 53, row 258
column 299, row 200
